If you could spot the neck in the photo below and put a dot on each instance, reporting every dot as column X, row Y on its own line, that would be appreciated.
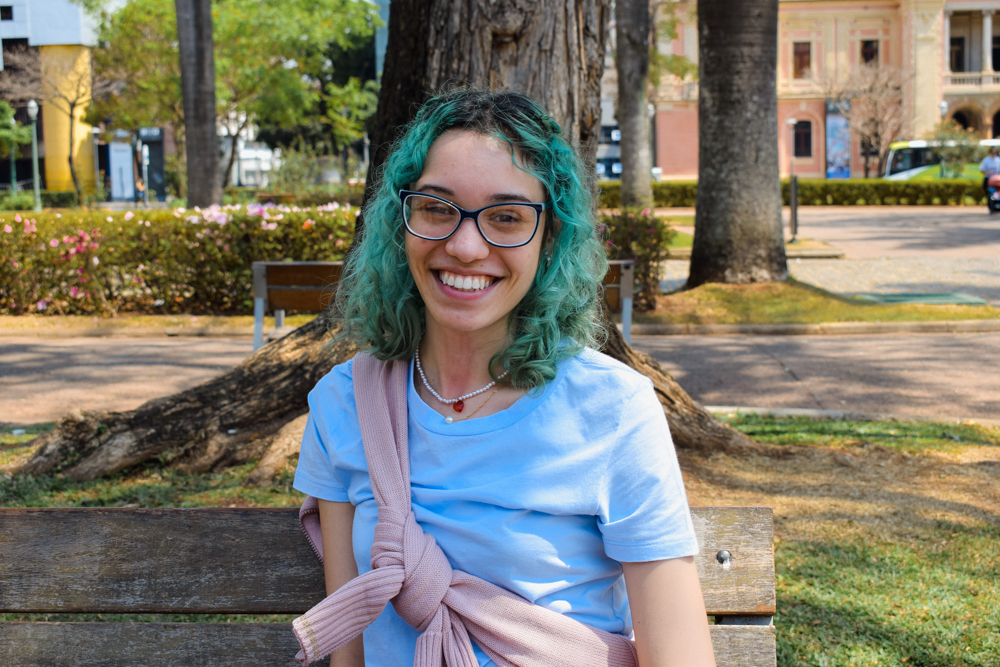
column 458, row 362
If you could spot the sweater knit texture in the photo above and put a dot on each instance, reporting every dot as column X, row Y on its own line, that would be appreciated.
column 411, row 571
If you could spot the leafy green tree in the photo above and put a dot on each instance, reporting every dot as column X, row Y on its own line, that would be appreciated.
column 665, row 21
column 266, row 55
column 956, row 147
column 11, row 135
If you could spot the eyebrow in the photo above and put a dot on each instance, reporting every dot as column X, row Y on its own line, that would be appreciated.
column 497, row 198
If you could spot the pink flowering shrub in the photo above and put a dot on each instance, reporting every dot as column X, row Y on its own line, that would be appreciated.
column 158, row 261
column 641, row 236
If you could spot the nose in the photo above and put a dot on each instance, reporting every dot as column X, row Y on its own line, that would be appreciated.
column 467, row 244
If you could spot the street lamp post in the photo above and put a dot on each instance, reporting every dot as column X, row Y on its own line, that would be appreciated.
column 33, row 115
column 145, row 173
column 13, row 161
column 96, row 133
column 793, row 182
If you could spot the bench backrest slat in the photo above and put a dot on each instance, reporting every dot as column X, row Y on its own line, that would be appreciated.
column 271, row 645
column 257, row 561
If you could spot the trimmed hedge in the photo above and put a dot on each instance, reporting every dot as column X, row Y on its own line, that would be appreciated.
column 157, row 261
column 59, row 199
column 819, row 192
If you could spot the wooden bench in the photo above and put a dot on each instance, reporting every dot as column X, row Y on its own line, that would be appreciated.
column 308, row 287
column 256, row 561
column 301, row 286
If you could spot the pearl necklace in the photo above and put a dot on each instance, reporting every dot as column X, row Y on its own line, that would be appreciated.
column 458, row 404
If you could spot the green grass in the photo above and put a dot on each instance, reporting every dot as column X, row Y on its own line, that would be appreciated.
column 681, row 240
column 902, row 436
column 846, row 602
column 792, row 302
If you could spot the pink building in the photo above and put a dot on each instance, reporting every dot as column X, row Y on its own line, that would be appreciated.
column 944, row 50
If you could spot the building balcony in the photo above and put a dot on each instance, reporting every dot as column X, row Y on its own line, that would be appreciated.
column 964, row 82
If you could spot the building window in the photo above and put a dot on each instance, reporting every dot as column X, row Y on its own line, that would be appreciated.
column 869, row 52
column 6, row 13
column 804, row 139
column 802, row 60
column 958, row 54
column 996, row 52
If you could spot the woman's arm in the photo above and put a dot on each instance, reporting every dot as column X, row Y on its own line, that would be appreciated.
column 337, row 523
column 668, row 614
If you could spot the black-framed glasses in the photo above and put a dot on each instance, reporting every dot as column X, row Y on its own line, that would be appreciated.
column 507, row 225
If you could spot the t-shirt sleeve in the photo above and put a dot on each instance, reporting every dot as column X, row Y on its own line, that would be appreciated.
column 644, row 514
column 315, row 474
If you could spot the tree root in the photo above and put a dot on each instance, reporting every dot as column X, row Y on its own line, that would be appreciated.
column 257, row 410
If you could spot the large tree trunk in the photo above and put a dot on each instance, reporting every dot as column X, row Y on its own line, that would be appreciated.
column 527, row 46
column 197, row 64
column 632, row 61
column 737, row 234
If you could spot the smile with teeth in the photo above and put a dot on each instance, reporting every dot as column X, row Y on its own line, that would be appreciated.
column 465, row 283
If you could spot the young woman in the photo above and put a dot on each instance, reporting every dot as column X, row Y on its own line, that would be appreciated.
column 535, row 463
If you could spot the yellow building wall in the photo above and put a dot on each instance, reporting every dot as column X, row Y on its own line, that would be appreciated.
column 66, row 76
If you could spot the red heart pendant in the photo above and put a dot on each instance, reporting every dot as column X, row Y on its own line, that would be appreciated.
column 459, row 406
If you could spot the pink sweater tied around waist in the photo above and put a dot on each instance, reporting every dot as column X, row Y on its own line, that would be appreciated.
column 410, row 570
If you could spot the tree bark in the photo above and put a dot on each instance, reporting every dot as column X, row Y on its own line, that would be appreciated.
column 228, row 420
column 72, row 145
column 531, row 46
column 632, row 61
column 738, row 235
column 197, row 64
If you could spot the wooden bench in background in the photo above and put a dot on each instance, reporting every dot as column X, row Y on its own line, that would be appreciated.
column 256, row 561
column 307, row 287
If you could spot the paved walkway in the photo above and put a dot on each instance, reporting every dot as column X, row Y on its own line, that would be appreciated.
column 893, row 249
column 943, row 376
column 947, row 376
column 42, row 379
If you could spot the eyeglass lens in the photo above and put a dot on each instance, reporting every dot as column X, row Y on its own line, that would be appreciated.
column 506, row 224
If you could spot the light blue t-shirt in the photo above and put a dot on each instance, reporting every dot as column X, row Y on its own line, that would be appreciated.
column 544, row 498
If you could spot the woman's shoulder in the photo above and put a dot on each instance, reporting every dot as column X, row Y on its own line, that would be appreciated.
column 603, row 368
column 334, row 391
column 595, row 374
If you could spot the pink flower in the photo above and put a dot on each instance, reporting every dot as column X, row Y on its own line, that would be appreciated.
column 17, row 217
column 129, row 215
column 339, row 242
column 110, row 219
column 73, row 291
column 80, row 271
column 8, row 229
column 645, row 211
column 41, row 305
column 54, row 243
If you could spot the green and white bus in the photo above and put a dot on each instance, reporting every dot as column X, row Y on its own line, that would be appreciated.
column 917, row 160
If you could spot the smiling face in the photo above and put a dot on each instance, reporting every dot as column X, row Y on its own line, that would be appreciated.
column 469, row 286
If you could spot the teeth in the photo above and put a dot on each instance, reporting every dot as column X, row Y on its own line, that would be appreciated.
column 471, row 283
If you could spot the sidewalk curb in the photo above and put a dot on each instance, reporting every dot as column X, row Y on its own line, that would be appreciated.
column 847, row 415
column 143, row 332
column 829, row 328
column 638, row 329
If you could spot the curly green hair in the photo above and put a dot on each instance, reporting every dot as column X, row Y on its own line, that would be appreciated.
column 377, row 300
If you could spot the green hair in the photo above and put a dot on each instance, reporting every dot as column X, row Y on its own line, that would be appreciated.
column 377, row 299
